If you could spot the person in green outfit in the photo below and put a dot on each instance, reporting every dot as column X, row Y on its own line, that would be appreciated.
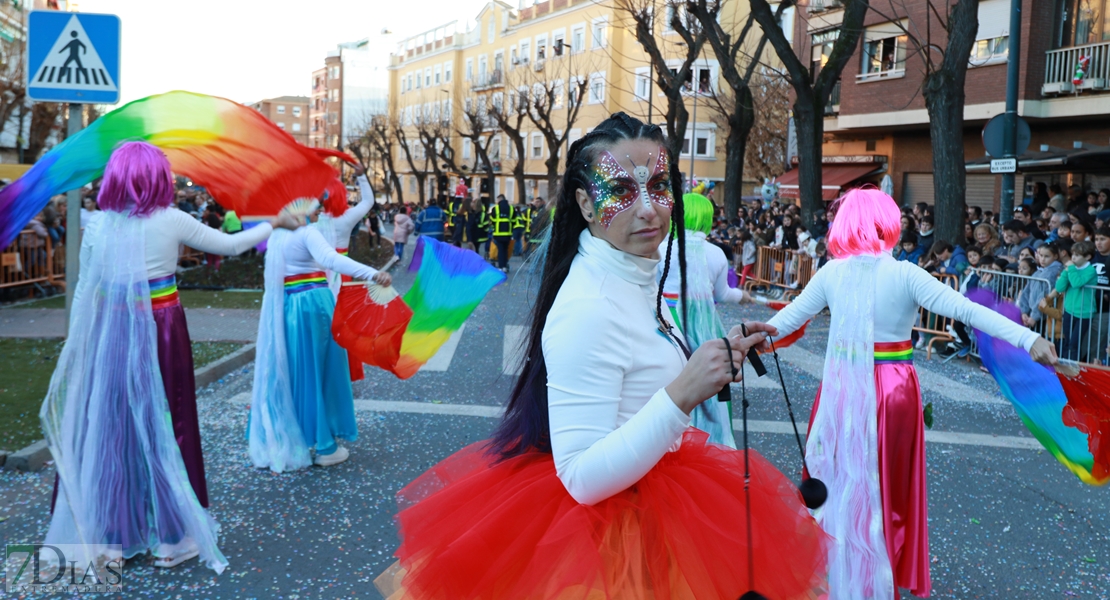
column 1079, row 301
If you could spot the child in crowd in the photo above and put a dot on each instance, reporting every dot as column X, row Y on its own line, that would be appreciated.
column 1079, row 302
column 1044, row 280
column 910, row 251
column 747, row 255
column 822, row 255
column 946, row 259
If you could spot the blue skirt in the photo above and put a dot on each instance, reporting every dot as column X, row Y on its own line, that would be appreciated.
column 319, row 374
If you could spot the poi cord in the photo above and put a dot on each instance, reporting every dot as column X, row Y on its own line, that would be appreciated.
column 747, row 464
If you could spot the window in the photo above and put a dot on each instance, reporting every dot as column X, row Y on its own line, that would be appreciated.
column 578, row 39
column 281, row 125
column 597, row 88
column 537, row 145
column 296, row 111
column 428, row 77
column 412, row 185
column 490, row 29
column 333, row 72
column 992, row 40
column 514, row 60
column 643, row 83
column 408, row 116
column 558, row 42
column 498, row 63
column 296, row 126
column 495, row 148
column 558, row 92
column 572, row 95
column 525, row 51
column 884, row 52
column 410, row 81
column 466, row 149
column 704, row 143
column 1081, row 22
column 470, row 69
column 438, row 77
column 597, row 36
column 706, row 77
column 447, row 67
column 335, row 95
column 419, row 81
column 498, row 102
column 281, row 109
column 541, row 46
column 575, row 135
column 445, row 112
column 786, row 23
column 483, row 70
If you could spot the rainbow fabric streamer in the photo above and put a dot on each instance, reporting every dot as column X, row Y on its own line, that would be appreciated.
column 246, row 162
column 1037, row 395
column 450, row 283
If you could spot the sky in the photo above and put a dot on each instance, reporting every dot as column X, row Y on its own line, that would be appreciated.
column 247, row 50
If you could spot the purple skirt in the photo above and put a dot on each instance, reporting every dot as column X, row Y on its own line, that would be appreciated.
column 175, row 361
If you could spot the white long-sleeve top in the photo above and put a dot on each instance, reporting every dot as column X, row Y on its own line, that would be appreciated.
column 901, row 287
column 607, row 366
column 342, row 226
column 716, row 265
column 167, row 229
column 307, row 251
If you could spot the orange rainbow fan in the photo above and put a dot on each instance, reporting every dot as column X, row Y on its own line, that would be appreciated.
column 370, row 322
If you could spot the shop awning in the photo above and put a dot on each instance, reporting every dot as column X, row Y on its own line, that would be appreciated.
column 833, row 179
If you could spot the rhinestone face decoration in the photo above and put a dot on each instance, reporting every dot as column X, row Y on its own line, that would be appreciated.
column 614, row 190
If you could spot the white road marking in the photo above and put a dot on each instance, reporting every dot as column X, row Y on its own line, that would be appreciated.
column 512, row 353
column 442, row 359
column 757, row 426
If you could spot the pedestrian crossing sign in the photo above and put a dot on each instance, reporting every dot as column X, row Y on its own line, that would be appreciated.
column 73, row 57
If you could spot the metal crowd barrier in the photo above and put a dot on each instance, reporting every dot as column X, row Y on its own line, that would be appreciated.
column 1092, row 336
column 31, row 261
column 936, row 327
column 781, row 268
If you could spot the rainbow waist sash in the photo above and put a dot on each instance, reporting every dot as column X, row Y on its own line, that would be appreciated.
column 163, row 292
column 305, row 282
column 894, row 353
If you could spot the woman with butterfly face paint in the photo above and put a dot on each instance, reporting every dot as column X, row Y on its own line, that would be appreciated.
column 594, row 485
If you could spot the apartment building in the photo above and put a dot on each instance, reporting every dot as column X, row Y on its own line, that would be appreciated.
column 506, row 51
column 876, row 123
column 289, row 113
column 352, row 87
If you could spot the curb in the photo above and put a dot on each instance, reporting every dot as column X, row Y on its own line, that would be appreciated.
column 34, row 457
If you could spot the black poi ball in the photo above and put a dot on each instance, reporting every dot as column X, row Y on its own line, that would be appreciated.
column 753, row 595
column 814, row 493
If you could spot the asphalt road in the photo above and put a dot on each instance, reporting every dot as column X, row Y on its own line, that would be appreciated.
column 1006, row 520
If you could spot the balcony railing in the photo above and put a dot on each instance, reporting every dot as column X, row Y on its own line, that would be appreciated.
column 816, row 6
column 832, row 107
column 1061, row 66
column 488, row 80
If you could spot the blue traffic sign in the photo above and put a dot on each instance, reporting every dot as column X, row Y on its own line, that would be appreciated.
column 73, row 57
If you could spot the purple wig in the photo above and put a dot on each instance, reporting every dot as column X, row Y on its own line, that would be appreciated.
column 138, row 179
column 866, row 221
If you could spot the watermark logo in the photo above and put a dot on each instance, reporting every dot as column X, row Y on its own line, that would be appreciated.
column 61, row 569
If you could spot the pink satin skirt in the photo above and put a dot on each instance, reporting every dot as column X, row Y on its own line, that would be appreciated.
column 901, row 431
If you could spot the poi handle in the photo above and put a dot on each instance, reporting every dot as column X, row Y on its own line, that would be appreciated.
column 753, row 356
column 725, row 395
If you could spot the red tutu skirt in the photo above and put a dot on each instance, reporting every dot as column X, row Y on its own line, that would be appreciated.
column 474, row 528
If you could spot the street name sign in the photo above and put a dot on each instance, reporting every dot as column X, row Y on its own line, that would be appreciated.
column 73, row 57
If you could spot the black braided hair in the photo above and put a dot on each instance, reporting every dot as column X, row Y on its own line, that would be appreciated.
column 525, row 425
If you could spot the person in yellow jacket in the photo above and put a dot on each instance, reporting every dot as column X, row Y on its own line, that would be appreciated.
column 502, row 218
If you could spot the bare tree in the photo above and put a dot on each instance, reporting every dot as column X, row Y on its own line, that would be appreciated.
column 553, row 108
column 672, row 82
column 379, row 136
column 479, row 128
column 13, row 92
column 738, row 107
column 943, row 89
column 418, row 163
column 766, row 153
column 510, row 117
column 44, row 122
column 811, row 90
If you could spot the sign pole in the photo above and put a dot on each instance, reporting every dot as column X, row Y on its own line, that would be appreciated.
column 73, row 219
column 1009, row 139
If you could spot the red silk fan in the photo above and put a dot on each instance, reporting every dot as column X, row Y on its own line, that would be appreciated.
column 788, row 340
column 1088, row 410
column 369, row 323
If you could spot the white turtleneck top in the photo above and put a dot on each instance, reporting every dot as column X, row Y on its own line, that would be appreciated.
column 307, row 251
column 607, row 366
column 341, row 227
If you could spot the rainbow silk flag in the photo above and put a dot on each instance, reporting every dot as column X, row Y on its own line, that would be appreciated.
column 450, row 283
column 1039, row 398
column 246, row 162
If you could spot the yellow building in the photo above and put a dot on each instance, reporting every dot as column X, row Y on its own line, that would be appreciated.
column 438, row 76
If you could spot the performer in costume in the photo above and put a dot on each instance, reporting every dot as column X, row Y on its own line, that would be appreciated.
column 866, row 435
column 594, row 486
column 302, row 386
column 337, row 223
column 120, row 415
column 707, row 284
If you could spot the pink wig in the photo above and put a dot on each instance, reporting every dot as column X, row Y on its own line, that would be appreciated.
column 334, row 198
column 866, row 221
column 138, row 179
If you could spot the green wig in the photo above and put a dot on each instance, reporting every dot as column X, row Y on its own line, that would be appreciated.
column 699, row 212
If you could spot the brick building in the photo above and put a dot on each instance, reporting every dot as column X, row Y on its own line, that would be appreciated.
column 289, row 113
column 877, row 118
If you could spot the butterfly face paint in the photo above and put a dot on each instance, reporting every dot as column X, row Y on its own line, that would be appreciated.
column 614, row 190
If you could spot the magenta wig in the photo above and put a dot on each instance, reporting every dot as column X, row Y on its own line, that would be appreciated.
column 866, row 221
column 138, row 179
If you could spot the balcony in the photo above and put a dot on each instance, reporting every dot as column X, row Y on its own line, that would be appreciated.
column 1061, row 66
column 488, row 80
column 832, row 107
column 818, row 6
